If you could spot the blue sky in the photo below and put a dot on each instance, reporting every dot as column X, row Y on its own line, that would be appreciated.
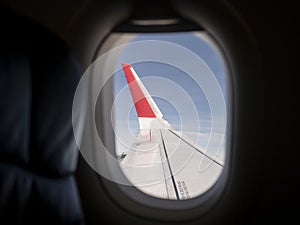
column 168, row 99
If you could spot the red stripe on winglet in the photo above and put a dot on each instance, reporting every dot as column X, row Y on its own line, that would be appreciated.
column 141, row 104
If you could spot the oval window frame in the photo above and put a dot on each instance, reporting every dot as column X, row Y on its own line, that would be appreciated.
column 207, row 15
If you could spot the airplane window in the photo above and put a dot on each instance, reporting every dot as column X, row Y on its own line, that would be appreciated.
column 169, row 112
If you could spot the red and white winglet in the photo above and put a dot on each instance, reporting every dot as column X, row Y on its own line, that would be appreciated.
column 146, row 108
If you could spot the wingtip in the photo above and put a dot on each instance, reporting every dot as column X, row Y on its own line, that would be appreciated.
column 124, row 65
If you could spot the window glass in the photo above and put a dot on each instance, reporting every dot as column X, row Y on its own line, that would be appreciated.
column 169, row 112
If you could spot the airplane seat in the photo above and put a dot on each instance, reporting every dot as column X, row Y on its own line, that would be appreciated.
column 38, row 153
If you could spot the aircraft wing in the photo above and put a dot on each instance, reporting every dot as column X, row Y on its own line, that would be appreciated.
column 163, row 162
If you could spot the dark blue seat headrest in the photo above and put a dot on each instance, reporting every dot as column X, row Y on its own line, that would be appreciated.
column 38, row 154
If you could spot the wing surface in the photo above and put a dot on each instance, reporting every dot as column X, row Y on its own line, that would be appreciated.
column 162, row 161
